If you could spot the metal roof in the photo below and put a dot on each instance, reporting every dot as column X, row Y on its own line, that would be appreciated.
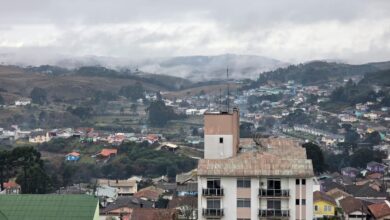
column 40, row 207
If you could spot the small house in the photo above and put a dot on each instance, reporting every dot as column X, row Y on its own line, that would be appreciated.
column 376, row 167
column 73, row 156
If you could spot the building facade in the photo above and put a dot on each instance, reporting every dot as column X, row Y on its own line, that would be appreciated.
column 273, row 182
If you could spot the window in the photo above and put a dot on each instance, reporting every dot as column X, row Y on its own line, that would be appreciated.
column 221, row 140
column 315, row 208
column 303, row 201
column 297, row 182
column 273, row 184
column 297, row 202
column 303, row 181
column 213, row 183
column 274, row 204
column 213, row 203
column 327, row 208
column 243, row 203
column 243, row 183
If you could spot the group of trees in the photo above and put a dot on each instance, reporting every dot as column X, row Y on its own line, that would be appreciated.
column 328, row 161
column 26, row 164
column 38, row 96
column 159, row 114
column 133, row 92
column 352, row 93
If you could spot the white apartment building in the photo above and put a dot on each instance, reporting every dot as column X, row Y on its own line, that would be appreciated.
column 274, row 182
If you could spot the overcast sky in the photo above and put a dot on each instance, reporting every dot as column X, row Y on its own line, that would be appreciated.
column 289, row 30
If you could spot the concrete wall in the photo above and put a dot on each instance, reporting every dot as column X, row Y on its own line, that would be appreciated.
column 215, row 150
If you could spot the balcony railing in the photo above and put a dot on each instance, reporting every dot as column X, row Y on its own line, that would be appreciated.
column 212, row 212
column 212, row 192
column 274, row 213
column 274, row 192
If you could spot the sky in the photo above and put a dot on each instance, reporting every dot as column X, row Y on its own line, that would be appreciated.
column 354, row 31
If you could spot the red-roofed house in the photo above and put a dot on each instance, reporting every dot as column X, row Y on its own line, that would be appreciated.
column 11, row 187
column 380, row 211
column 108, row 152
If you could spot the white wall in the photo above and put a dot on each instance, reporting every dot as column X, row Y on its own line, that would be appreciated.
column 215, row 150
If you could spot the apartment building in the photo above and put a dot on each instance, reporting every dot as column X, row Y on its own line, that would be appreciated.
column 275, row 181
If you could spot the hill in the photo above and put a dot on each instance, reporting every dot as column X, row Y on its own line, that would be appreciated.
column 318, row 72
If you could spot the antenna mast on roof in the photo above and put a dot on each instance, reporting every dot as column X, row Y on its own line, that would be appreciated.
column 228, row 92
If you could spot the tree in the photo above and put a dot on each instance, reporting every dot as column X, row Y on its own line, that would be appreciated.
column 314, row 153
column 159, row 114
column 363, row 156
column 374, row 138
column 81, row 112
column 38, row 96
column 133, row 108
column 133, row 92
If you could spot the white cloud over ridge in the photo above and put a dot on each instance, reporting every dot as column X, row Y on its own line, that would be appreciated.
column 293, row 31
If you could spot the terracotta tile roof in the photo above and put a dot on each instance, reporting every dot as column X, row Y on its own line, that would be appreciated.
column 153, row 214
column 107, row 152
column 336, row 193
column 11, row 184
column 350, row 204
column 74, row 154
column 151, row 193
column 191, row 201
column 380, row 210
column 321, row 196
column 270, row 163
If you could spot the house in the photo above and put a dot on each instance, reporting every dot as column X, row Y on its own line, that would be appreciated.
column 187, row 207
column 169, row 147
column 366, row 193
column 106, row 153
column 106, row 194
column 125, row 187
column 376, row 167
column 324, row 205
column 73, row 156
column 23, row 102
column 150, row 193
column 380, row 211
column 48, row 206
column 11, row 187
column 354, row 209
column 187, row 189
column 350, row 172
column 152, row 138
column 39, row 137
column 337, row 195
column 190, row 176
column 153, row 214
column 123, row 206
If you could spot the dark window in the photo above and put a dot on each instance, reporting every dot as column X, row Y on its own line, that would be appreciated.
column 297, row 202
column 273, row 184
column 274, row 204
column 214, row 184
column 297, row 182
column 243, row 183
column 213, row 203
column 303, row 181
column 221, row 140
column 243, row 203
column 303, row 201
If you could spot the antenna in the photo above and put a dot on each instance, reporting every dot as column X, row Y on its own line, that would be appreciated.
column 228, row 92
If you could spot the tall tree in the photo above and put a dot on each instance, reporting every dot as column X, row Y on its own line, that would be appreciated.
column 314, row 153
column 38, row 96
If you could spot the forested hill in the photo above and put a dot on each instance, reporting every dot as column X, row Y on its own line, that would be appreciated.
column 380, row 78
column 317, row 72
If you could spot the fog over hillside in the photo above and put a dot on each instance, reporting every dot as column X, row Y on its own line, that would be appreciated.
column 195, row 68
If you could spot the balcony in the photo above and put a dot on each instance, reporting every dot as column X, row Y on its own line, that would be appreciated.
column 212, row 212
column 212, row 192
column 274, row 213
column 279, row 193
